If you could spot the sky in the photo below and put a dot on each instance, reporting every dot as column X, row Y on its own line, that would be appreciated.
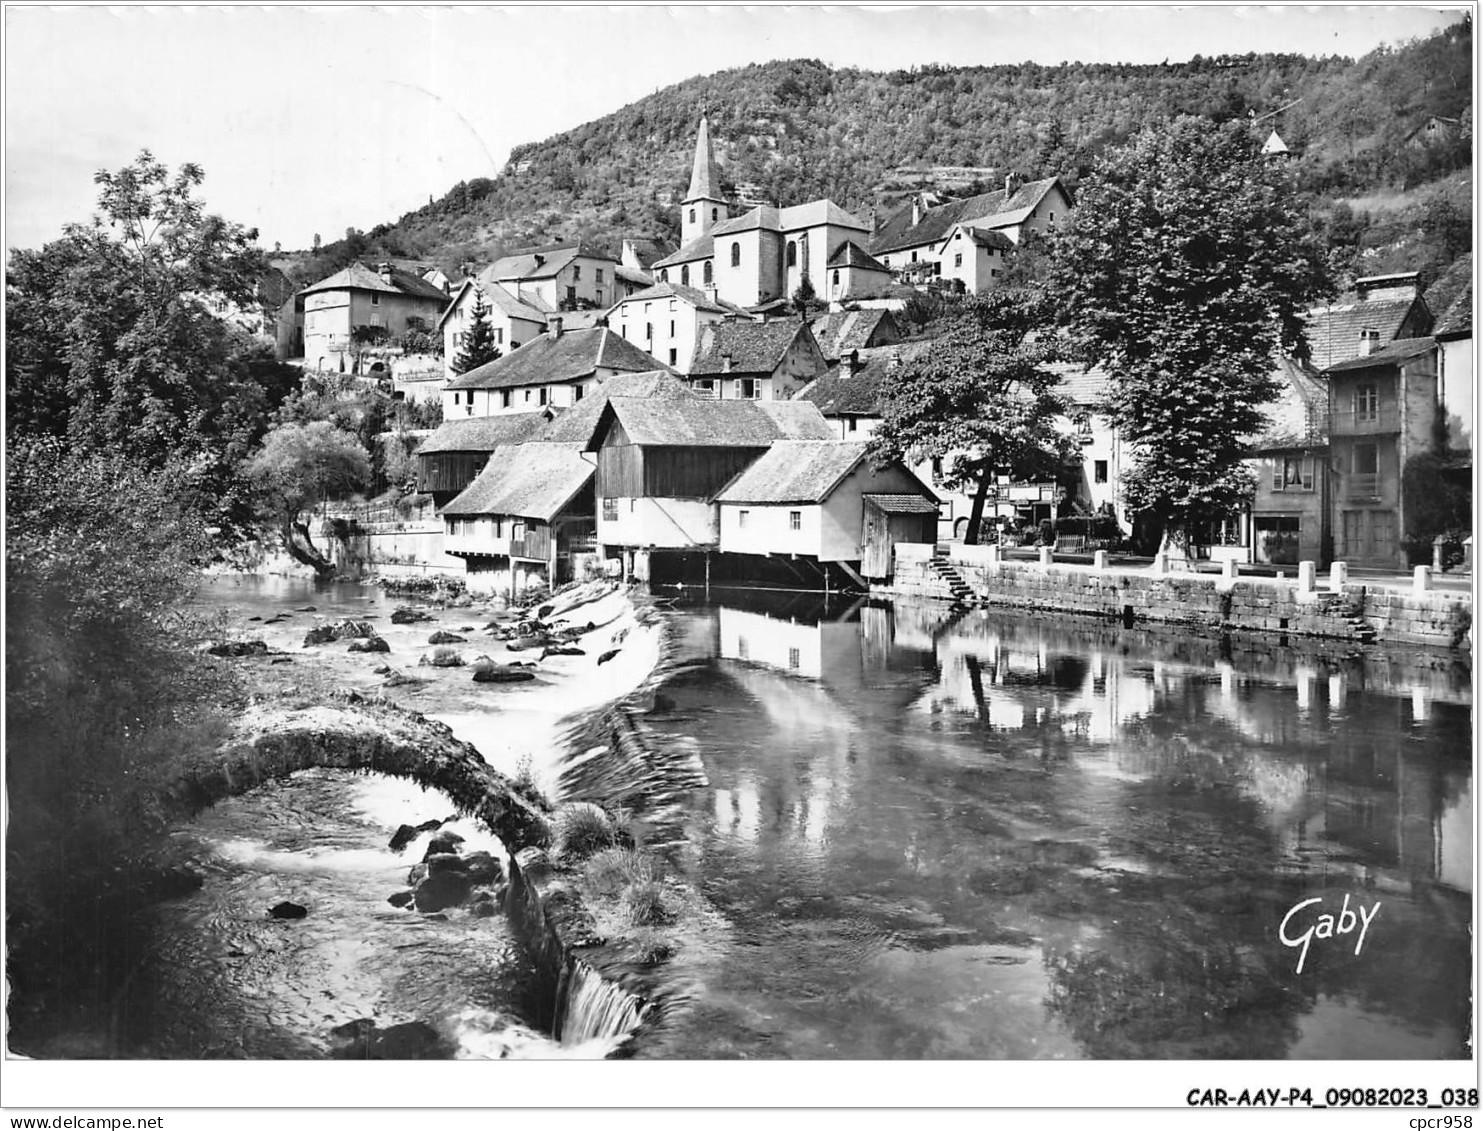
column 313, row 120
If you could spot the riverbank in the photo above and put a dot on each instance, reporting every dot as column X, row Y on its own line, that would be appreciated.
column 1302, row 606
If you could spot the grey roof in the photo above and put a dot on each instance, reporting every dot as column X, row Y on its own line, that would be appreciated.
column 990, row 209
column 841, row 332
column 703, row 247
column 753, row 347
column 705, row 184
column 903, row 504
column 1333, row 331
column 578, row 423
column 766, row 218
column 851, row 254
column 525, row 480
column 359, row 277
column 1393, row 354
column 1082, row 386
column 1450, row 298
column 1457, row 319
column 860, row 394
column 702, row 422
column 795, row 471
column 692, row 295
column 543, row 262
column 497, row 298
column 556, row 358
column 483, row 433
column 987, row 237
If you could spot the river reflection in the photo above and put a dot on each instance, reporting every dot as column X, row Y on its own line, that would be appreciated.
column 997, row 836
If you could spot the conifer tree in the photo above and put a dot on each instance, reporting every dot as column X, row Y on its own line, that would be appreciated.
column 478, row 340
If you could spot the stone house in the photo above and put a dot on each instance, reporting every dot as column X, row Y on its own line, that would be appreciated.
column 359, row 296
column 845, row 331
column 666, row 319
column 561, row 276
column 1291, row 519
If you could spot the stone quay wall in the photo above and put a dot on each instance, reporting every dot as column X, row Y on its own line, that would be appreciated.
column 1308, row 605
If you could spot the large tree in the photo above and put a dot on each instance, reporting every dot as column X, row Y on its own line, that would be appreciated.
column 980, row 398
column 478, row 346
column 116, row 341
column 1184, row 269
column 300, row 467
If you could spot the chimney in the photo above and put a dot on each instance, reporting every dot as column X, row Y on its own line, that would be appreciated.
column 1369, row 341
column 384, row 270
column 709, row 290
column 896, row 358
column 1011, row 185
column 851, row 364
column 916, row 210
column 725, row 363
column 553, row 327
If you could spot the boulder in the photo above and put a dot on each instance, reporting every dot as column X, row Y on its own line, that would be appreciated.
column 288, row 910
column 442, row 890
column 254, row 618
column 412, row 1040
column 381, row 669
column 406, row 834
column 237, row 648
column 502, row 675
column 319, row 634
column 442, row 863
column 370, row 644
column 305, row 609
column 281, row 660
column 526, row 643
column 416, row 874
column 606, row 656
column 408, row 616
column 399, row 898
column 445, row 638
column 339, row 630
column 448, row 659
column 483, row 909
column 564, row 650
column 397, row 679
column 483, row 868
column 445, row 841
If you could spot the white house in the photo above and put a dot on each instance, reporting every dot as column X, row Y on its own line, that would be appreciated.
column 665, row 320
column 514, row 322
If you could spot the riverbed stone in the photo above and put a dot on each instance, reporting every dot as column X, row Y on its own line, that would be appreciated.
column 288, row 910
column 511, row 674
column 445, row 638
column 370, row 644
column 400, row 898
column 482, row 867
column 406, row 834
column 405, row 615
column 444, row 842
column 237, row 648
column 442, row 890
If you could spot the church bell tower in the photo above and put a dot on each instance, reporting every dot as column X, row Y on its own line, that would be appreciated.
column 704, row 207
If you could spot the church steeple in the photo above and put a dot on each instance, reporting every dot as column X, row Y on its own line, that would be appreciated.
column 704, row 206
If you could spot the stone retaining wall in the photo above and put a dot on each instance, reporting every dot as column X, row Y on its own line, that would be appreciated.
column 1206, row 601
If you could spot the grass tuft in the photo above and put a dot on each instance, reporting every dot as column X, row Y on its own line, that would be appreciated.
column 580, row 829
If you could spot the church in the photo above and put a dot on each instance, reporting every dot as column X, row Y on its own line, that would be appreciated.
column 756, row 260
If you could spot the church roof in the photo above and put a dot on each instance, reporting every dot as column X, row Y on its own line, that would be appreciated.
column 705, row 184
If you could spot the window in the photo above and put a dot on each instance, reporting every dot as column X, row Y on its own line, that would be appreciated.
column 958, row 260
column 457, row 401
column 599, row 294
column 836, row 277
column 610, row 510
column 648, row 331
column 685, row 275
column 673, row 356
column 854, row 423
column 993, row 272
column 499, row 335
column 692, row 215
column 1052, row 217
column 741, row 648
column 792, row 254
column 571, row 296
column 375, row 299
column 517, row 530
column 706, row 272
column 1366, row 459
column 936, row 467
column 706, row 387
column 736, row 254
column 1099, row 471
column 793, row 658
column 578, row 393
column 671, row 327
column 913, row 257
column 748, row 388
column 714, row 214
column 527, row 396
column 795, row 520
column 664, row 275
column 542, row 395
column 597, row 274
column 576, row 272
column 1292, row 473
column 1366, row 402
column 741, row 518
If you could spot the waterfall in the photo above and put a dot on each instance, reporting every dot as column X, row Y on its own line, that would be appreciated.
column 597, row 1009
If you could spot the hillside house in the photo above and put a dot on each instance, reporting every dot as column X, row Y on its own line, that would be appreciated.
column 935, row 241
column 514, row 322
column 852, row 272
column 527, row 518
column 1290, row 513
column 665, row 320
column 760, row 361
column 359, row 296
column 845, row 331
column 661, row 462
column 1383, row 409
column 761, row 256
column 1381, row 309
column 561, row 276
column 822, row 500
column 555, row 369
column 458, row 450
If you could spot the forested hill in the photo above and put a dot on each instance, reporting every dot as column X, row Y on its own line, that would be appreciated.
column 798, row 130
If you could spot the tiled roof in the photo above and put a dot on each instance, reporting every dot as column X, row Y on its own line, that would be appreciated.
column 629, row 275
column 358, row 277
column 702, row 422
column 794, row 471
column 1457, row 319
column 555, row 358
column 841, row 332
column 1450, row 298
column 702, row 248
column 987, row 237
column 692, row 295
column 851, row 254
column 577, row 424
column 648, row 250
column 769, row 219
column 898, row 231
column 1083, row 387
column 753, row 347
column 860, row 394
column 1333, row 331
column 483, row 433
column 904, row 504
column 796, row 420
column 526, row 480
column 1393, row 354
column 543, row 262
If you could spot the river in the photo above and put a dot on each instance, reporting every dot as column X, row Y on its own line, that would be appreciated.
column 989, row 836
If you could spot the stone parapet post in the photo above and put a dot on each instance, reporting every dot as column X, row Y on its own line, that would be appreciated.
column 1338, row 576
column 1421, row 579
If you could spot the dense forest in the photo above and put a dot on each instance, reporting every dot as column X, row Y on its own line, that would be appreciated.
column 1384, row 196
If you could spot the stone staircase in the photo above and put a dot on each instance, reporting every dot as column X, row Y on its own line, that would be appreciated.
column 962, row 595
column 1337, row 605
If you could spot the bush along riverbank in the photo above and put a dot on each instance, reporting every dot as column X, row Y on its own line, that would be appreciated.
column 593, row 899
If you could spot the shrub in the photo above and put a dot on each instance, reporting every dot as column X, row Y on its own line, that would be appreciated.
column 447, row 658
column 1047, row 532
column 613, row 869
column 646, row 905
column 579, row 830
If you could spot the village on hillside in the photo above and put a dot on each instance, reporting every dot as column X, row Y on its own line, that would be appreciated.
column 751, row 364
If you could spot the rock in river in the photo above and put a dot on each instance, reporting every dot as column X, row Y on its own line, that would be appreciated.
column 445, row 638
column 288, row 910
column 370, row 644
